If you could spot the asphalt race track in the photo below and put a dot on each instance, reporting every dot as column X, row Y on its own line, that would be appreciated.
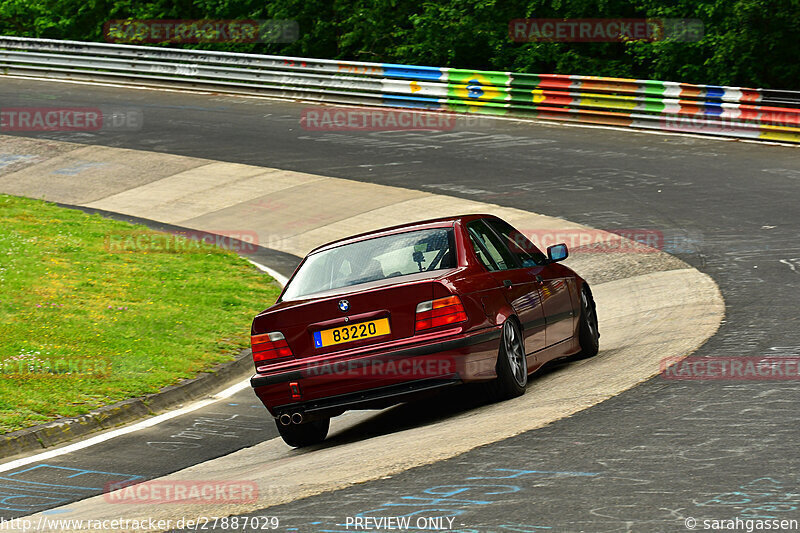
column 645, row 460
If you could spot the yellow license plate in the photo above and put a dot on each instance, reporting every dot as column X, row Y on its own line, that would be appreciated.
column 351, row 332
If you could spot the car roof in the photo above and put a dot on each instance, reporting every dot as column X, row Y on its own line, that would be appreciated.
column 444, row 222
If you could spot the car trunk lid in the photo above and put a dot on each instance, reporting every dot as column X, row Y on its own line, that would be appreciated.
column 380, row 311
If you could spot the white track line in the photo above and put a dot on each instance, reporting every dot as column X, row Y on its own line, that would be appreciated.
column 144, row 424
column 150, row 422
column 280, row 278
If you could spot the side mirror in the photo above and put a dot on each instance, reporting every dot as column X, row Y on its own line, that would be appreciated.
column 557, row 252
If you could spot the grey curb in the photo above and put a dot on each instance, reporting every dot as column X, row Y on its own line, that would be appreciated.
column 37, row 438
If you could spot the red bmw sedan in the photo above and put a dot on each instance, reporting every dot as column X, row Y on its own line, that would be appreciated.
column 378, row 318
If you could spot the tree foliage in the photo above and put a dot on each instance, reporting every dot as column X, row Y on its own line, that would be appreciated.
column 746, row 42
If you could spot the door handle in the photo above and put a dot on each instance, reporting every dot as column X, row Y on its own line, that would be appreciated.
column 507, row 283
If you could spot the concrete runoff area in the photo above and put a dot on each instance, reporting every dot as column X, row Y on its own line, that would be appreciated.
column 659, row 307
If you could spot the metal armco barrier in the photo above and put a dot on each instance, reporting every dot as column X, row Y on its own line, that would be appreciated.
column 759, row 114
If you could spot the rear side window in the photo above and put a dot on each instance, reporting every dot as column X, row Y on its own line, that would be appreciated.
column 526, row 252
column 490, row 250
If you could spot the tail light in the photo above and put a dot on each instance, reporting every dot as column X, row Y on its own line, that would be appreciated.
column 440, row 312
column 269, row 347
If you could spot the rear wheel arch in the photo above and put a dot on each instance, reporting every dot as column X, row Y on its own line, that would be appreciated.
column 506, row 312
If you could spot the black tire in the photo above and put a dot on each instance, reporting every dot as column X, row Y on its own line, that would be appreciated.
column 512, row 367
column 588, row 333
column 305, row 434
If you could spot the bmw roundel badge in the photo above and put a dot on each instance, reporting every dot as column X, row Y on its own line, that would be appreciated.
column 344, row 305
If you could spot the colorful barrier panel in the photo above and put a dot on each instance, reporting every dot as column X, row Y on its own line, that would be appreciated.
column 737, row 112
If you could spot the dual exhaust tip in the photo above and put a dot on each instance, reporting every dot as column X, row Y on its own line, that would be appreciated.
column 295, row 418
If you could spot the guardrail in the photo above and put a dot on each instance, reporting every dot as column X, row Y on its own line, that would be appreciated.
column 740, row 112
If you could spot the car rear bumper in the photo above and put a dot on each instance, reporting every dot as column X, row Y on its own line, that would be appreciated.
column 380, row 377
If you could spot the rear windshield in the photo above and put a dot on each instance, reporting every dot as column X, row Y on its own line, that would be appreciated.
column 373, row 260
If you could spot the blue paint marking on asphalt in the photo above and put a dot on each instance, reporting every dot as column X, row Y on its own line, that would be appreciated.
column 64, row 469
column 46, row 489
column 450, row 501
column 57, row 511
column 21, row 491
column 10, row 159
column 525, row 472
column 463, row 488
column 522, row 528
column 763, row 498
column 78, row 168
column 28, row 502
column 233, row 404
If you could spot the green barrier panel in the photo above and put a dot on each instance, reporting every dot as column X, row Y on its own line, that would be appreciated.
column 478, row 86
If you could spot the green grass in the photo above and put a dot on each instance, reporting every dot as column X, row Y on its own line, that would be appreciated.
column 82, row 326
